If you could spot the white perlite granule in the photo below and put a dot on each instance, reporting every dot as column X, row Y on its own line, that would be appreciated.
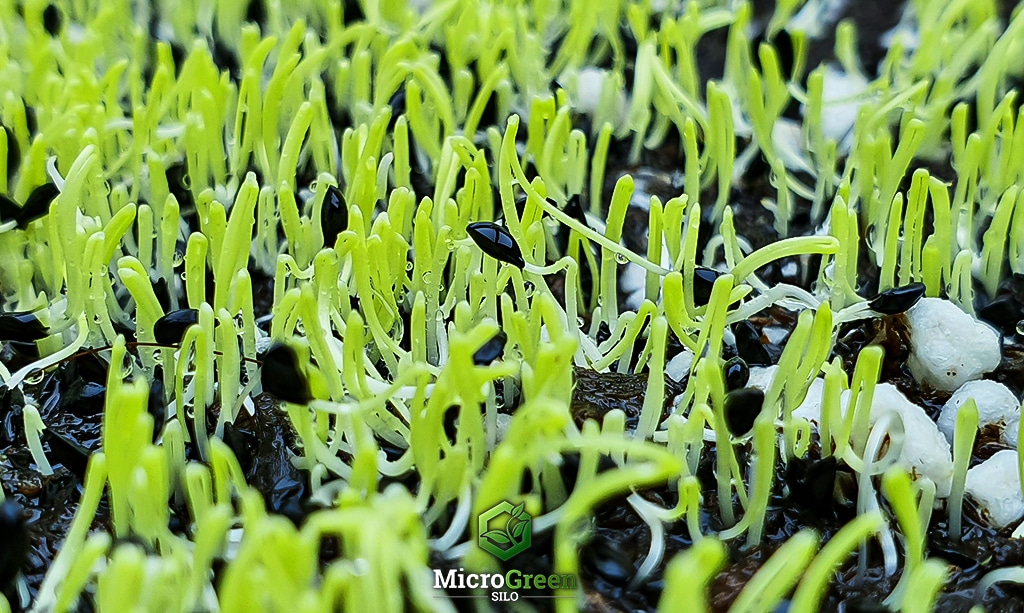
column 995, row 486
column 948, row 346
column 925, row 451
column 996, row 406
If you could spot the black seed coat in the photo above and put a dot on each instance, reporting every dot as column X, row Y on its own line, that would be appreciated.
column 491, row 350
column 281, row 376
column 736, row 373
column 748, row 344
column 333, row 215
column 170, row 329
column 22, row 326
column 897, row 299
column 496, row 242
column 742, row 407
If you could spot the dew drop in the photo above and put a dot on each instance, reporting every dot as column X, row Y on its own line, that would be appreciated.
column 449, row 244
column 179, row 258
column 1020, row 327
column 529, row 288
column 182, row 275
column 428, row 277
column 621, row 258
column 409, row 266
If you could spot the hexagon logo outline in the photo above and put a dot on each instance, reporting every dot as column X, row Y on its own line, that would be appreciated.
column 504, row 539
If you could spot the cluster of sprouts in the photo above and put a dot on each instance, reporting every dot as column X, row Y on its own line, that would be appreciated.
column 387, row 317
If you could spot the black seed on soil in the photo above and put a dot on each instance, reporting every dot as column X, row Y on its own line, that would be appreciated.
column 742, row 407
column 52, row 20
column 736, row 373
column 240, row 445
column 22, row 326
column 281, row 376
column 68, row 452
column 748, row 344
column 14, row 541
column 170, row 329
column 496, row 242
column 491, row 350
column 25, row 350
column 84, row 398
column 37, row 204
column 898, row 299
column 703, row 283
column 333, row 215
column 608, row 562
column 811, row 483
column 1003, row 313
column 288, row 498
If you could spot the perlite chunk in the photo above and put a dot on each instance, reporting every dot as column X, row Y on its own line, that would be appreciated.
column 948, row 346
column 996, row 406
column 995, row 486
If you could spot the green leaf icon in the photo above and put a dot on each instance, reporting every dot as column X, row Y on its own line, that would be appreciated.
column 498, row 536
column 518, row 510
column 517, row 530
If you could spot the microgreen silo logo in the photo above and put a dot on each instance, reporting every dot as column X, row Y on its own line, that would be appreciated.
column 504, row 531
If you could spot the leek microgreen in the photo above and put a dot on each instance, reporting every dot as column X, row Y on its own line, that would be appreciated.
column 963, row 444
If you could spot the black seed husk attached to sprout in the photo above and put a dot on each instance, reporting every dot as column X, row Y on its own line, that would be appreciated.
column 9, row 209
column 22, row 326
column 155, row 404
column 281, row 376
column 37, row 204
column 13, row 154
column 170, row 329
column 749, row 346
column 52, row 20
column 897, row 299
column 14, row 541
column 496, row 242
column 811, row 483
column 736, row 373
column 397, row 104
column 333, row 215
column 491, row 350
column 742, row 407
column 703, row 283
